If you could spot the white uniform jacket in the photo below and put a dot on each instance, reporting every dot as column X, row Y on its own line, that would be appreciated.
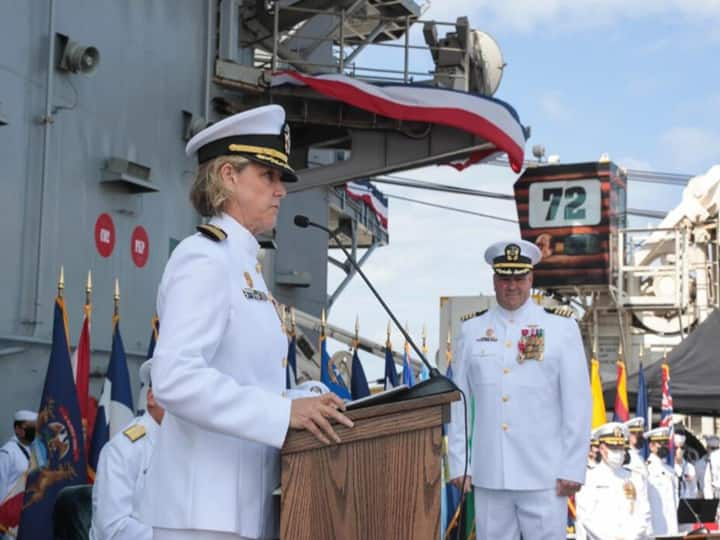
column 613, row 503
column 119, row 483
column 711, row 480
column 14, row 461
column 532, row 419
column 663, row 495
column 218, row 372
column 637, row 463
column 687, row 479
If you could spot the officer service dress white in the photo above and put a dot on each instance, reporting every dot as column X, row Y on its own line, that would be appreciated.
column 218, row 372
column 119, row 483
column 637, row 463
column 14, row 461
column 663, row 496
column 711, row 480
column 613, row 504
column 687, row 479
column 532, row 420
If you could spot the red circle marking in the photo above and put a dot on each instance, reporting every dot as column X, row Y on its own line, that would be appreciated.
column 104, row 235
column 139, row 246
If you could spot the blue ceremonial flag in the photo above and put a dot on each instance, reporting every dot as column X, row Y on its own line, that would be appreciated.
column 291, row 367
column 358, row 382
column 58, row 451
column 641, row 409
column 329, row 374
column 391, row 378
column 407, row 374
column 115, row 410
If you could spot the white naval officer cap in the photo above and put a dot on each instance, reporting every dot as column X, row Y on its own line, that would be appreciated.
column 24, row 415
column 144, row 372
column 679, row 439
column 658, row 434
column 260, row 134
column 614, row 433
column 512, row 257
column 635, row 425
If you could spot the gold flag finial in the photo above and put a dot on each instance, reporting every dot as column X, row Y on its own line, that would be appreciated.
column 323, row 322
column 61, row 281
column 116, row 297
column 424, row 339
column 292, row 319
column 357, row 330
column 448, row 347
column 283, row 320
column 88, row 288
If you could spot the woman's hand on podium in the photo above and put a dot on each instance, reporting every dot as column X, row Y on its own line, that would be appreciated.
column 313, row 413
column 458, row 483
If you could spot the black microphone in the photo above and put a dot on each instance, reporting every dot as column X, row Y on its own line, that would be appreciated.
column 437, row 383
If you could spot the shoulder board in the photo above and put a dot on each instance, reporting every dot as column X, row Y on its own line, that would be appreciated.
column 212, row 232
column 135, row 432
column 562, row 311
column 472, row 315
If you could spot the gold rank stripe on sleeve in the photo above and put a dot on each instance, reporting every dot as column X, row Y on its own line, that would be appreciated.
column 212, row 232
column 472, row 315
column 135, row 432
column 562, row 311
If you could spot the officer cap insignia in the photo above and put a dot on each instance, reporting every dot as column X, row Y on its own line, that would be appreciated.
column 212, row 232
column 472, row 315
column 562, row 311
column 135, row 432
column 512, row 252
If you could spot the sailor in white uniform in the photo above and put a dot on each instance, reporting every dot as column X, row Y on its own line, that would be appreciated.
column 662, row 483
column 527, row 372
column 120, row 475
column 218, row 366
column 711, row 477
column 15, row 453
column 613, row 503
column 636, row 428
column 684, row 470
column 594, row 456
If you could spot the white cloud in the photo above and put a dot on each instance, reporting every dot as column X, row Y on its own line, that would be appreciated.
column 573, row 15
column 691, row 149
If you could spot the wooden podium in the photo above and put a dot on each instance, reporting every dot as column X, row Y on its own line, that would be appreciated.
column 382, row 481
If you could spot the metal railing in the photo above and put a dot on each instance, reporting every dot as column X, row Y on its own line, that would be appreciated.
column 346, row 49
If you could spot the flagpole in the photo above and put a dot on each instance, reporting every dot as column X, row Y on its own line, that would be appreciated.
column 88, row 290
column 356, row 343
column 293, row 328
column 424, row 339
column 387, row 341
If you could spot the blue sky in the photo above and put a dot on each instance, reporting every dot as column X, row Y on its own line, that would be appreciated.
column 639, row 80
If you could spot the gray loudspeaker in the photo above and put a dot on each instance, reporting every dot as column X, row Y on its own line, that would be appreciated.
column 76, row 58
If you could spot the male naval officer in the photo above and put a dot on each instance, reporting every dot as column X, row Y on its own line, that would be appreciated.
column 613, row 503
column 15, row 454
column 527, row 372
column 121, row 472
column 662, row 483
column 711, row 474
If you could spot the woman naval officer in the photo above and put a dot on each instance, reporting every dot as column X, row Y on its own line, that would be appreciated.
column 218, row 364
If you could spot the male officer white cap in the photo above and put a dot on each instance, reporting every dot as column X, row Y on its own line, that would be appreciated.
column 514, row 257
column 260, row 135
column 613, row 433
column 23, row 415
column 659, row 434
column 635, row 425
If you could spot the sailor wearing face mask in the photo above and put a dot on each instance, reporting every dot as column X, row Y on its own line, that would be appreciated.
column 613, row 503
column 636, row 427
column 662, row 483
column 684, row 470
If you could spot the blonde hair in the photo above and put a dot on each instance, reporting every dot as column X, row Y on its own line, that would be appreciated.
column 208, row 192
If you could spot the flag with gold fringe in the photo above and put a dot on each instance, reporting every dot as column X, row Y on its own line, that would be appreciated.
column 57, row 457
column 598, row 401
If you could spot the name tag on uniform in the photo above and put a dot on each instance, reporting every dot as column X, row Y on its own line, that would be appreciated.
column 254, row 294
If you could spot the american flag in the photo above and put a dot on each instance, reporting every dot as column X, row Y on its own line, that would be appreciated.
column 666, row 410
